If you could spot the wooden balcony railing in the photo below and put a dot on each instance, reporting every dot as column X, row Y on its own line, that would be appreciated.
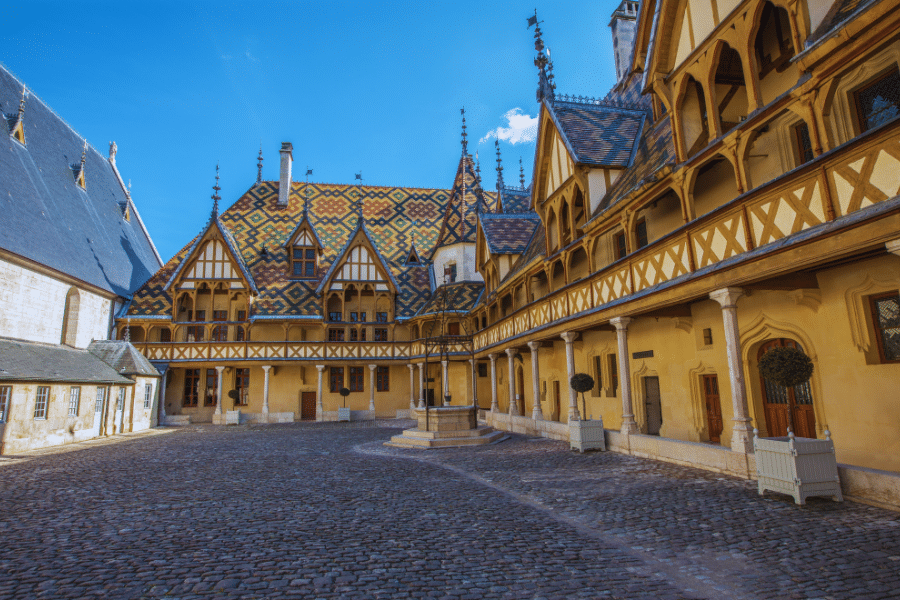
column 860, row 173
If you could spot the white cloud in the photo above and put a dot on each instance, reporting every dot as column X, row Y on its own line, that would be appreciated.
column 522, row 128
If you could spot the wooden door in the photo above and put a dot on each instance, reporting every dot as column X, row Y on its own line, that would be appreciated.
column 713, row 407
column 556, row 414
column 308, row 406
column 653, row 404
column 785, row 405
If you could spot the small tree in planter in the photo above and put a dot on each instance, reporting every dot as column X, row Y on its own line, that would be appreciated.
column 581, row 383
column 787, row 367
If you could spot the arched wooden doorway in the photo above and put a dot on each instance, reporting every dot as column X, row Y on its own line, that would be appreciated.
column 784, row 406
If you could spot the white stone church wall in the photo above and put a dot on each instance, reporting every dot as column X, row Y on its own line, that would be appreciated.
column 464, row 257
column 32, row 306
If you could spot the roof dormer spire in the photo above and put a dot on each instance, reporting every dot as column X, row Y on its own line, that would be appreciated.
column 521, row 174
column 542, row 62
column 359, row 202
column 215, row 197
column 259, row 165
column 465, row 143
column 22, row 103
column 499, row 167
column 306, row 194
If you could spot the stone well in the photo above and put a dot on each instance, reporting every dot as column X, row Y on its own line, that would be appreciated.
column 447, row 426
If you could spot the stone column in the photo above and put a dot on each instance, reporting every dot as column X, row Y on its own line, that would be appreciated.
column 412, row 388
column 742, row 432
column 265, row 406
column 629, row 425
column 219, row 390
column 162, row 397
column 513, row 401
column 474, row 383
column 445, row 385
column 536, row 413
column 372, row 389
column 421, row 385
column 495, row 407
column 320, row 411
column 569, row 338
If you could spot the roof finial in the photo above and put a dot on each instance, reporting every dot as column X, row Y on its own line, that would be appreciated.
column 521, row 174
column 477, row 168
column 499, row 167
column 22, row 103
column 465, row 143
column 127, row 336
column 306, row 199
column 359, row 203
column 259, row 165
column 83, row 154
column 541, row 61
column 215, row 197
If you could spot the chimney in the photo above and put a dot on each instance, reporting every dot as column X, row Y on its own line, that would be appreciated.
column 624, row 26
column 284, row 183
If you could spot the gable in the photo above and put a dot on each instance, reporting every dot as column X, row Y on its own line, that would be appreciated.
column 690, row 22
column 556, row 164
column 212, row 261
column 304, row 239
column 360, row 265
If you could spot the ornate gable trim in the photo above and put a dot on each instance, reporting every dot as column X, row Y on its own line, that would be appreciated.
column 359, row 237
column 215, row 256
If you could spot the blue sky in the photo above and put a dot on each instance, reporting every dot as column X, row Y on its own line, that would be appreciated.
column 354, row 87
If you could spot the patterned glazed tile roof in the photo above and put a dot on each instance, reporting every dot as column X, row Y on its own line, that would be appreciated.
column 508, row 233
column 467, row 199
column 461, row 296
column 598, row 134
column 516, row 200
column 360, row 229
column 839, row 13
column 49, row 219
column 655, row 150
column 33, row 361
column 392, row 215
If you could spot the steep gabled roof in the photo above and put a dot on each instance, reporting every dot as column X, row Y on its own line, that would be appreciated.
column 508, row 233
column 839, row 14
column 49, row 219
column 123, row 357
column 596, row 133
column 460, row 296
column 303, row 222
column 516, row 200
column 467, row 199
column 359, row 233
column 536, row 248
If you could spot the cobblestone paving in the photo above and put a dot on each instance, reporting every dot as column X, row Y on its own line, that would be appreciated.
column 319, row 511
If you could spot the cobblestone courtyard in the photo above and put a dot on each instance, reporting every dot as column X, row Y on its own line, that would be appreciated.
column 325, row 511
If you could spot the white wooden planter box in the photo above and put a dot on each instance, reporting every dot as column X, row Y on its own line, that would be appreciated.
column 587, row 435
column 233, row 417
column 800, row 467
column 343, row 414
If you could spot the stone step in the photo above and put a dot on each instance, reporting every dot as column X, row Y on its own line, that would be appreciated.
column 460, row 433
column 401, row 441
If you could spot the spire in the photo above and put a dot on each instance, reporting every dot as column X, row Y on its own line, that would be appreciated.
column 499, row 167
column 359, row 203
column 22, row 104
column 521, row 174
column 477, row 168
column 83, row 155
column 306, row 194
column 465, row 143
column 215, row 197
column 542, row 62
column 259, row 165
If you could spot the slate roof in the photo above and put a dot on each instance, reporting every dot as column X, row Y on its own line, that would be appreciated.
column 33, row 361
column 516, row 200
column 508, row 233
column 598, row 134
column 537, row 247
column 255, row 221
column 839, row 13
column 49, row 219
column 461, row 296
column 123, row 357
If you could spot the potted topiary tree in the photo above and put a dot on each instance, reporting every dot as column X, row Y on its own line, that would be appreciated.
column 800, row 467
column 584, row 433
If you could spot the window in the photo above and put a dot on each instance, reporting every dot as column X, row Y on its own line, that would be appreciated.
column 336, row 379
column 165, row 334
column 598, row 375
column 482, row 369
column 707, row 337
column 380, row 334
column 886, row 317
column 148, row 395
column 450, row 273
column 358, row 317
column 74, row 400
column 802, row 142
column 356, row 379
column 5, row 398
column 195, row 333
column 41, row 401
column 304, row 263
column 613, row 373
column 381, row 317
column 879, row 101
column 101, row 396
column 335, row 335
column 239, row 334
column 242, row 386
column 241, row 315
column 120, row 401
column 640, row 232
column 382, row 379
column 191, row 387
column 358, row 335
column 220, row 332
column 621, row 249
column 212, row 388
column 335, row 316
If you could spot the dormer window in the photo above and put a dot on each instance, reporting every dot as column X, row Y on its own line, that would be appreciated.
column 304, row 253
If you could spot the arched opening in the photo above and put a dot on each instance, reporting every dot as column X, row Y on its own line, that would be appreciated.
column 506, row 305
column 774, row 49
column 786, row 407
column 694, row 122
column 184, row 308
column 335, row 308
column 521, row 300
column 730, row 89
column 520, row 389
column 160, row 334
column 492, row 312
column 557, row 276
column 578, row 265
column 565, row 224
column 776, row 147
column 714, row 186
column 70, row 318
column 538, row 286
column 580, row 214
column 414, row 332
column 660, row 217
column 552, row 232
